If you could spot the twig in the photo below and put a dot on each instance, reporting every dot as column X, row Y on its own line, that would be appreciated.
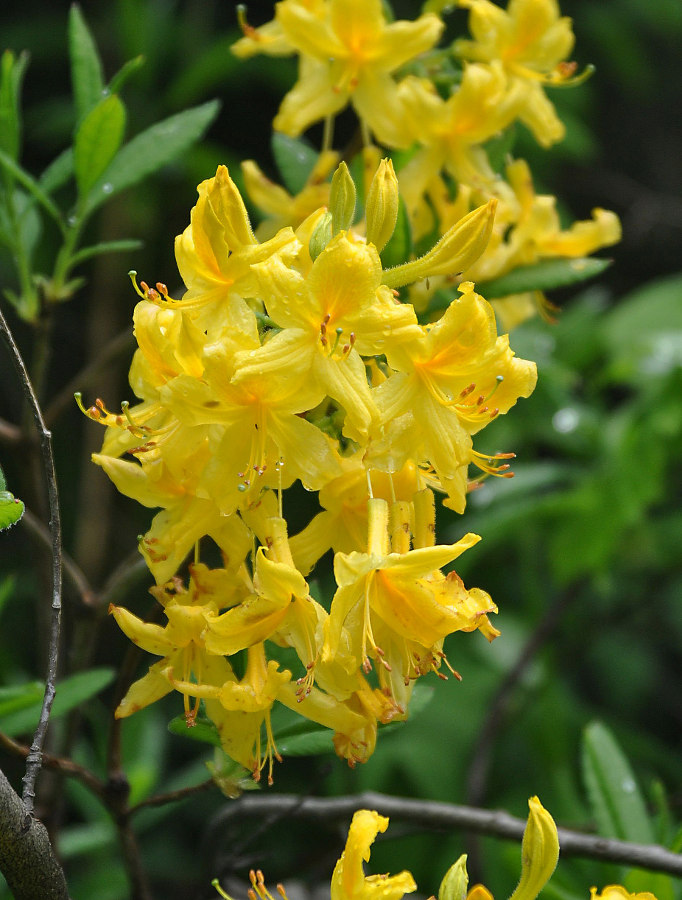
column 123, row 341
column 9, row 433
column 172, row 796
column 72, row 570
column 434, row 815
column 33, row 761
column 58, row 764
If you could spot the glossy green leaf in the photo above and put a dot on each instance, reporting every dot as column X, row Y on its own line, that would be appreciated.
column 122, row 246
column 314, row 743
column 295, row 160
column 151, row 150
column 127, row 69
column 11, row 510
column 12, row 71
column 203, row 730
column 86, row 67
column 31, row 185
column 97, row 140
column 71, row 692
column 615, row 798
column 543, row 276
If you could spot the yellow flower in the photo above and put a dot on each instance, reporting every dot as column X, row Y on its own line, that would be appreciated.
column 180, row 642
column 396, row 607
column 349, row 881
column 531, row 40
column 349, row 55
column 618, row 892
column 331, row 314
column 449, row 384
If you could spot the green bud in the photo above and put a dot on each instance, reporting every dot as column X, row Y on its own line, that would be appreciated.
column 342, row 199
column 458, row 249
column 382, row 205
column 454, row 884
column 320, row 236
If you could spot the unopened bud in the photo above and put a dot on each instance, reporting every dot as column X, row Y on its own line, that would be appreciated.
column 539, row 852
column 454, row 884
column 320, row 236
column 342, row 199
column 382, row 205
column 458, row 249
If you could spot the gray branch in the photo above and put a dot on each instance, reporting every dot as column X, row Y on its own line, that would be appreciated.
column 434, row 815
column 27, row 859
column 34, row 758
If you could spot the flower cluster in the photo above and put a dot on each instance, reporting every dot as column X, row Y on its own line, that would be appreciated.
column 298, row 354
column 449, row 108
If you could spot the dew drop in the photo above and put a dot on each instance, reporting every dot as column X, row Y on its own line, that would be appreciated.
column 72, row 220
column 107, row 187
column 628, row 785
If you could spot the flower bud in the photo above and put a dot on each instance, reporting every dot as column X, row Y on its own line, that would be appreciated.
column 342, row 199
column 382, row 205
column 539, row 852
column 320, row 236
column 459, row 248
column 454, row 884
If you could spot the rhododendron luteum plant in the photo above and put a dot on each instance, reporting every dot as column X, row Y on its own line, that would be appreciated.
column 297, row 354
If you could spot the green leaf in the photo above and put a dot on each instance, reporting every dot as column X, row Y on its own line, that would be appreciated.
column 151, row 150
column 58, row 172
column 19, row 697
column 314, row 743
column 97, row 140
column 86, row 67
column 121, row 246
column 11, row 510
column 614, row 795
column 71, row 692
column 11, row 76
column 543, row 276
column 399, row 248
column 295, row 160
column 203, row 730
column 31, row 185
column 127, row 69
column 7, row 586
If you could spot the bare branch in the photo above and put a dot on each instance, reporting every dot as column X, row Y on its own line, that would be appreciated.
column 27, row 859
column 33, row 760
column 58, row 764
column 434, row 815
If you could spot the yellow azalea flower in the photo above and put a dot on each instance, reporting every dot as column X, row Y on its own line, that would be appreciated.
column 618, row 892
column 453, row 130
column 180, row 642
column 348, row 56
column 402, row 596
column 240, row 708
column 280, row 207
column 214, row 255
column 450, row 383
column 330, row 315
column 531, row 40
column 349, row 881
column 270, row 38
column 257, row 435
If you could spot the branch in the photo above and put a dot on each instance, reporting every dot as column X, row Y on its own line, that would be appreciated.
column 10, row 434
column 33, row 760
column 431, row 814
column 58, row 764
column 172, row 796
column 27, row 859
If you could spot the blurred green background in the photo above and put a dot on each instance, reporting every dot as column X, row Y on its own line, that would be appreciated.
column 581, row 550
